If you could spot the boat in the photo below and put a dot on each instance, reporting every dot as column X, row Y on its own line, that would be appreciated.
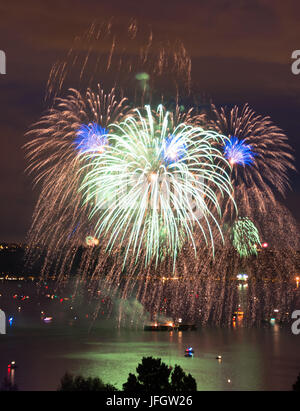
column 169, row 326
column 189, row 352
column 12, row 365
column 155, row 326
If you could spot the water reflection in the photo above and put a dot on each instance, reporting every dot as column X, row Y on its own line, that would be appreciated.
column 234, row 322
column 225, row 302
column 252, row 358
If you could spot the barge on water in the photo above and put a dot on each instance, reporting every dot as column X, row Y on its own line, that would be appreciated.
column 156, row 326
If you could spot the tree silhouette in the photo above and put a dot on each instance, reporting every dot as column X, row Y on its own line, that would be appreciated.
column 79, row 383
column 132, row 384
column 154, row 375
column 182, row 382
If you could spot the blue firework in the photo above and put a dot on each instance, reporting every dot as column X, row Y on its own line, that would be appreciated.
column 91, row 138
column 238, row 152
column 173, row 148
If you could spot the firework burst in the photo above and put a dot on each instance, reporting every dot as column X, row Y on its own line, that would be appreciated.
column 91, row 138
column 155, row 177
column 245, row 237
column 147, row 188
column 70, row 128
column 237, row 152
column 259, row 154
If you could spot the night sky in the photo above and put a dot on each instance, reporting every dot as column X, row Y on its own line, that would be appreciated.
column 241, row 52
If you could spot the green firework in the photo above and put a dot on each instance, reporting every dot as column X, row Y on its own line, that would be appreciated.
column 245, row 237
column 155, row 184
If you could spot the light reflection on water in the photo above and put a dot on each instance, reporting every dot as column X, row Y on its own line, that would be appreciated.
column 252, row 359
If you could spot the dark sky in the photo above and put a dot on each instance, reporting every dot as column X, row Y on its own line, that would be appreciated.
column 241, row 52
